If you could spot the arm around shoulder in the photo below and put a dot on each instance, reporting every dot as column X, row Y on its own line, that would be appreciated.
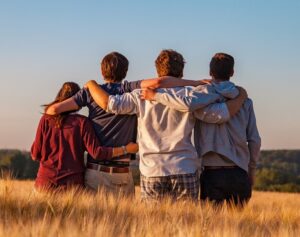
column 214, row 113
column 64, row 106
column 99, row 95
column 168, row 82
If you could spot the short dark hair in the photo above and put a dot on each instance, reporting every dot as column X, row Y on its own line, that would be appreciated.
column 114, row 67
column 169, row 63
column 221, row 66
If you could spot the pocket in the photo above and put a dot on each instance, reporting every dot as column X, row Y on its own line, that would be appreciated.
column 120, row 179
column 90, row 178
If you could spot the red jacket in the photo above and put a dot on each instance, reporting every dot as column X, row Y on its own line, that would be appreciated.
column 60, row 151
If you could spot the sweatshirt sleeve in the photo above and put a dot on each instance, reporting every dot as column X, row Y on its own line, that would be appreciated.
column 129, row 86
column 123, row 104
column 253, row 138
column 36, row 148
column 92, row 143
column 214, row 113
column 188, row 102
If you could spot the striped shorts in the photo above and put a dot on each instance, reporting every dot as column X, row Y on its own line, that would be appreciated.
column 177, row 187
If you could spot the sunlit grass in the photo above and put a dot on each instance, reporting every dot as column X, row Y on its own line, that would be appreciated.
column 24, row 212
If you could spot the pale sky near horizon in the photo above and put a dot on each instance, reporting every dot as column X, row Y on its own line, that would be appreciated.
column 45, row 43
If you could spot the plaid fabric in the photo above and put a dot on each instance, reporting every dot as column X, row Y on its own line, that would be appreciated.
column 181, row 186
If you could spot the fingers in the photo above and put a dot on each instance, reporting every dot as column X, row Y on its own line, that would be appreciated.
column 143, row 94
column 132, row 147
column 90, row 82
column 147, row 94
column 205, row 81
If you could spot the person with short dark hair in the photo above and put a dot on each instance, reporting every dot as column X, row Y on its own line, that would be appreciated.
column 168, row 160
column 230, row 150
column 60, row 143
column 222, row 66
column 114, row 67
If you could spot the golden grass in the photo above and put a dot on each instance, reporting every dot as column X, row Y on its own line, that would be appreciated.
column 26, row 213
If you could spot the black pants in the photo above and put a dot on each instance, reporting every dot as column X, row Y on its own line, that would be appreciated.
column 225, row 184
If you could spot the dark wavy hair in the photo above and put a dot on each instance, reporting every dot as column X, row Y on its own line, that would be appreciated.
column 67, row 90
column 221, row 66
column 114, row 67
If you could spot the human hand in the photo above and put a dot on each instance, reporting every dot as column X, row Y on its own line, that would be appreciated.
column 148, row 94
column 132, row 147
column 205, row 82
column 90, row 82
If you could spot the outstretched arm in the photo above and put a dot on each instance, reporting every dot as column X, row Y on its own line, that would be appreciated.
column 99, row 95
column 221, row 112
column 188, row 101
column 235, row 104
column 103, row 153
column 118, row 104
column 64, row 106
column 195, row 101
column 168, row 82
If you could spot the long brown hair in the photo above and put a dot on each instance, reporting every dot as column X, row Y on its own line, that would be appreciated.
column 67, row 90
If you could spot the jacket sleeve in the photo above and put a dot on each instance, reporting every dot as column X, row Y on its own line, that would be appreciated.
column 253, row 138
column 92, row 143
column 213, row 113
column 82, row 97
column 129, row 86
column 36, row 148
column 190, row 101
column 123, row 104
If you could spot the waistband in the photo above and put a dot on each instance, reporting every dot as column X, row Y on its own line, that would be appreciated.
column 220, row 167
column 115, row 162
column 107, row 169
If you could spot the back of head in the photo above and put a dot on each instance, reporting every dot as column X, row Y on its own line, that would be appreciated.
column 114, row 67
column 67, row 90
column 221, row 66
column 169, row 63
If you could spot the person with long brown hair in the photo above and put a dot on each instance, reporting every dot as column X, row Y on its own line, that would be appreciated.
column 60, row 143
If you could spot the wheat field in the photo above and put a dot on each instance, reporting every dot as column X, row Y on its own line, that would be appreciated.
column 24, row 212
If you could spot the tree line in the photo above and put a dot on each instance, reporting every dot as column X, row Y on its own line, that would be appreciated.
column 278, row 170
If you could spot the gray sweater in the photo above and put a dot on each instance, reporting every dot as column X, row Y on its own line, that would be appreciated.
column 237, row 140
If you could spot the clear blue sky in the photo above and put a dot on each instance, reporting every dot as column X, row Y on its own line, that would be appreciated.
column 45, row 43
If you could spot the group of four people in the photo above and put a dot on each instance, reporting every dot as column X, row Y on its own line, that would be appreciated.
column 162, row 112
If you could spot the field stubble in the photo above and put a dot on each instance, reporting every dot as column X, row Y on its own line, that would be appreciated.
column 24, row 212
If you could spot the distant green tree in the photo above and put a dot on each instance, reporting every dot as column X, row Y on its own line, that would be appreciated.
column 18, row 164
column 279, row 170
